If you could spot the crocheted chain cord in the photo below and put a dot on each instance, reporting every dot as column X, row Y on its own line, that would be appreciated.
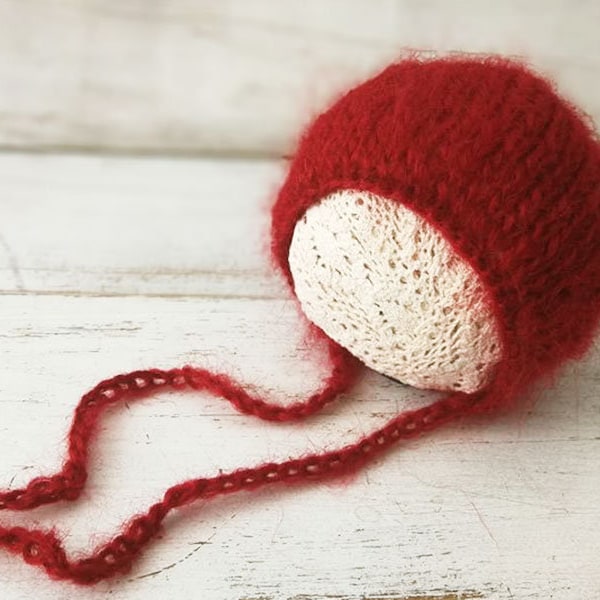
column 44, row 548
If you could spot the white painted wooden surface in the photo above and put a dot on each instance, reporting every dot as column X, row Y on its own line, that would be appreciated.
column 243, row 75
column 111, row 264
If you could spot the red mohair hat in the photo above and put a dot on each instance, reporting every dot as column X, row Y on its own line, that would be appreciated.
column 499, row 171
column 506, row 171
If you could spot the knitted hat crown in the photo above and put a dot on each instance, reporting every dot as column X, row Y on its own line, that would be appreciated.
column 507, row 172
column 483, row 159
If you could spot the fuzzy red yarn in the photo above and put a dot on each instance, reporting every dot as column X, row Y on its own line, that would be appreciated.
column 485, row 151
column 44, row 548
column 508, row 172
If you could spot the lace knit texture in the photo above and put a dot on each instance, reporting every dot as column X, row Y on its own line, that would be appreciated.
column 383, row 283
column 504, row 170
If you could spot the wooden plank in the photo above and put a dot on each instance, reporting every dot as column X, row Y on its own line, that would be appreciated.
column 85, row 225
column 501, row 510
column 188, row 76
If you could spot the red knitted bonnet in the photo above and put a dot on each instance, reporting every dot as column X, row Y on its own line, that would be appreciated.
column 504, row 169
column 490, row 157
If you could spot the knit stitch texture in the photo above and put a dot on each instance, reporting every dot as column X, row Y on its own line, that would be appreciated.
column 507, row 171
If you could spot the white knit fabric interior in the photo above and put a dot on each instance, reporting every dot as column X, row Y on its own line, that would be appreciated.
column 383, row 283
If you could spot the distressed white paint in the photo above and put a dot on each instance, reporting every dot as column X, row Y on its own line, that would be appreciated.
column 114, row 264
column 116, row 213
column 505, row 509
column 243, row 75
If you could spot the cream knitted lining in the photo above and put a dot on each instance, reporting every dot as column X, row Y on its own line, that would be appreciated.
column 383, row 283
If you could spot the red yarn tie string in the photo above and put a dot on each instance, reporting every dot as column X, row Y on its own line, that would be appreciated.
column 44, row 549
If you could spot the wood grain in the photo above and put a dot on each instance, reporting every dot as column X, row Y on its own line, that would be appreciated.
column 77, row 226
column 501, row 510
column 241, row 77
